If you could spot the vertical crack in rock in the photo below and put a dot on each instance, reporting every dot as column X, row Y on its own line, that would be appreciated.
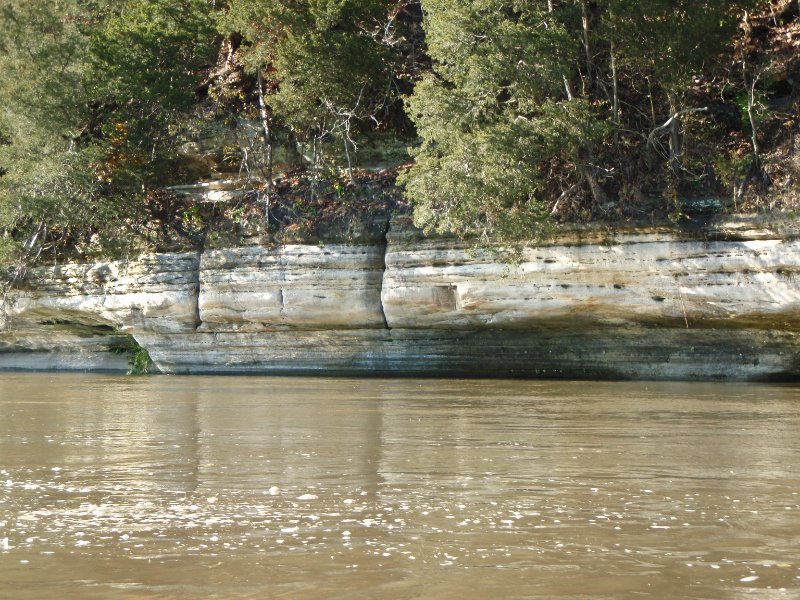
column 283, row 263
column 198, row 290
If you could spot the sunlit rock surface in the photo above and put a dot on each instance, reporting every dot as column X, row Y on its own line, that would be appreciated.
column 619, row 280
column 720, row 302
column 77, row 316
column 292, row 287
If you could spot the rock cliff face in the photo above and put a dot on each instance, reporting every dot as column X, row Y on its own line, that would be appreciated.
column 76, row 316
column 722, row 303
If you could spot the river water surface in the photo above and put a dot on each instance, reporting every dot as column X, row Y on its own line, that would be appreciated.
column 294, row 488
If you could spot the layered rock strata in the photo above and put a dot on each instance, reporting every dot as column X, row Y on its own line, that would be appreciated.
column 79, row 316
column 658, row 303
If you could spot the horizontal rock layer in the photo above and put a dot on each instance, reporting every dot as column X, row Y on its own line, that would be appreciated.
column 721, row 355
column 295, row 287
column 658, row 303
column 639, row 279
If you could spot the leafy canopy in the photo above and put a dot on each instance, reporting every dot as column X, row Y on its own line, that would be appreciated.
column 91, row 97
column 324, row 57
column 490, row 115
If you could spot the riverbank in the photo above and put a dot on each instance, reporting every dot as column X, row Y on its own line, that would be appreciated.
column 714, row 302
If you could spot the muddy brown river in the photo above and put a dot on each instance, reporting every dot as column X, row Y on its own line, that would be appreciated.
column 308, row 488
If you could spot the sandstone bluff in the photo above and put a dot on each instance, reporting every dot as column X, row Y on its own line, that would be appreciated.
column 716, row 303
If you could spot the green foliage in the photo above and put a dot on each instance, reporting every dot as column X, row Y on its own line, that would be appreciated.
column 47, row 190
column 140, row 362
column 731, row 168
column 491, row 116
column 326, row 70
column 524, row 109
column 42, row 66
column 672, row 39
column 760, row 107
column 668, row 43
column 92, row 100
column 148, row 58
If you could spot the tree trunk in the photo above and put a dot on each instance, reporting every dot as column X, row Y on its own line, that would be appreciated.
column 598, row 194
column 568, row 89
column 589, row 173
column 614, row 86
column 267, row 132
column 347, row 155
column 586, row 47
column 315, row 166
column 674, row 137
column 751, row 110
column 567, row 84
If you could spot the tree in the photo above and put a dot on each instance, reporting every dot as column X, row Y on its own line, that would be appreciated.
column 327, row 69
column 147, row 60
column 91, row 96
column 672, row 41
column 44, row 190
column 493, row 117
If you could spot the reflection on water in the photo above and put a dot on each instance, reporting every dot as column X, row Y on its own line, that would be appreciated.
column 173, row 487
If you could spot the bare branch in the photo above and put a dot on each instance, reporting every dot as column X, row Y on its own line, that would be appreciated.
column 652, row 136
